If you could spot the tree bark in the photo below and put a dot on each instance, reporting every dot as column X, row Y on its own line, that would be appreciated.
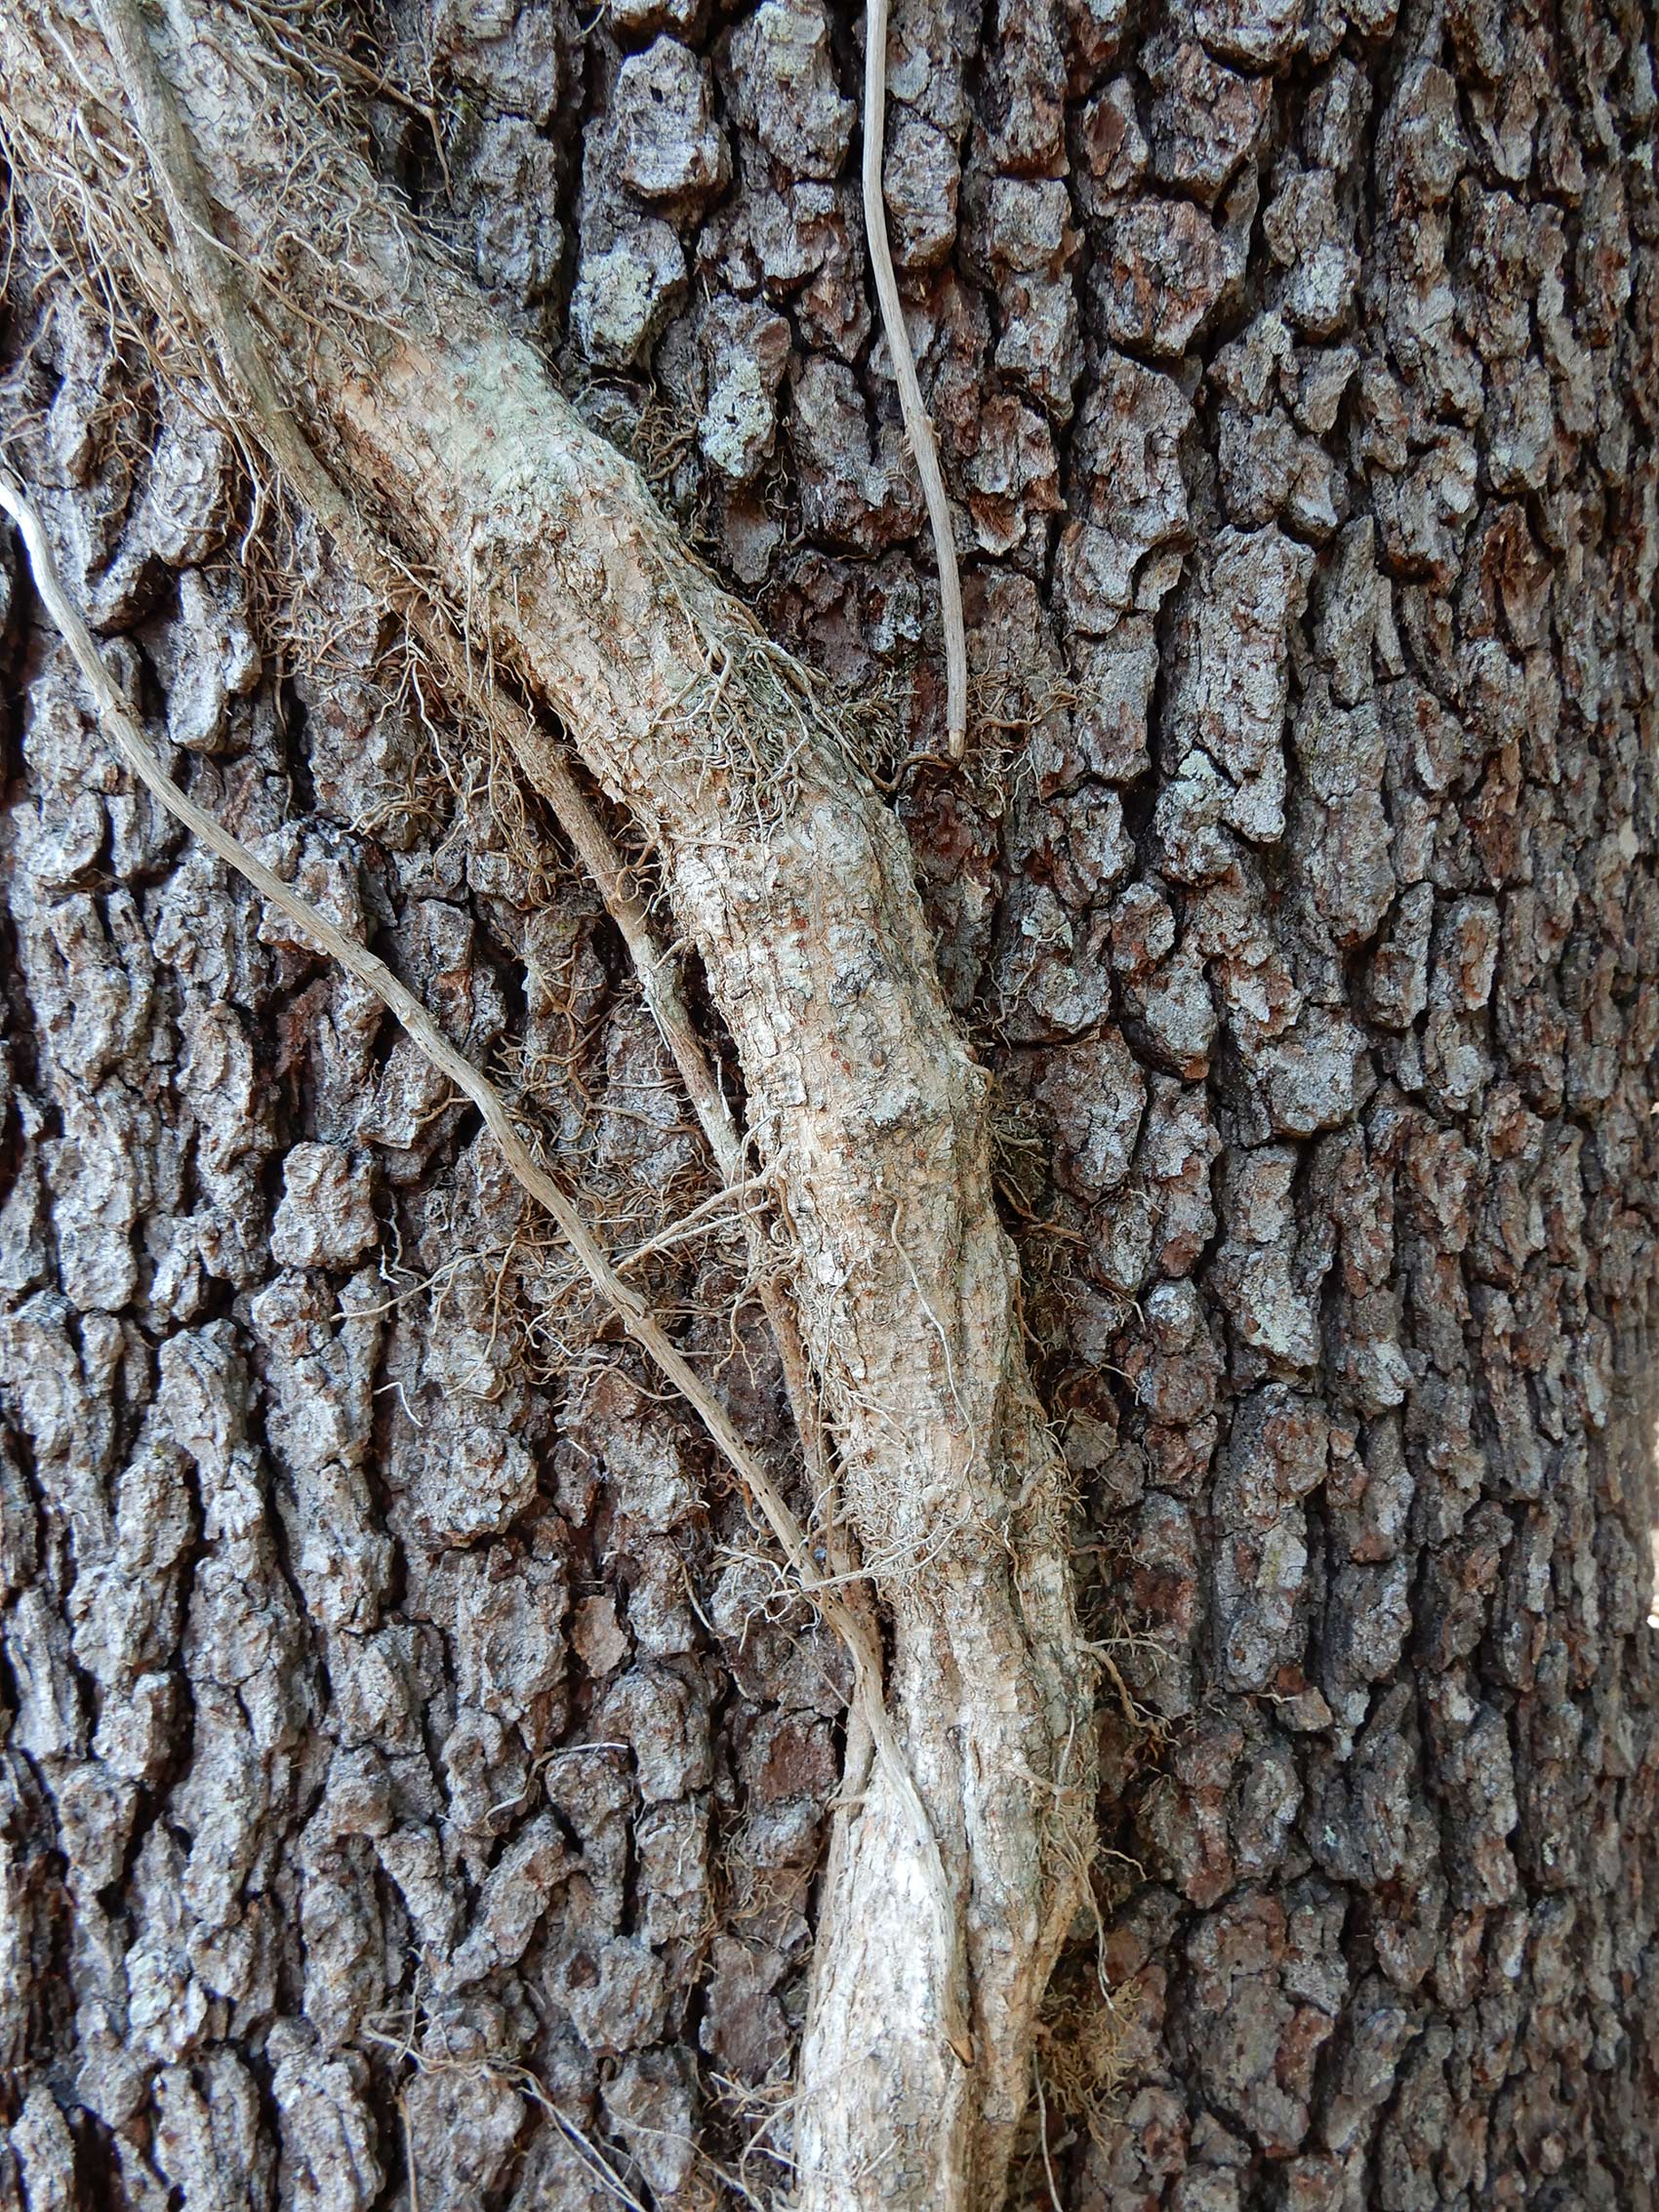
column 1294, row 376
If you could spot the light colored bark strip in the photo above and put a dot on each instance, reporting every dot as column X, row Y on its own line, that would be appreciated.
column 796, row 886
column 917, row 426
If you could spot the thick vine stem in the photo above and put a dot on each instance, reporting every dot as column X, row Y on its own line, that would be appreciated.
column 795, row 884
column 918, row 429
column 217, row 301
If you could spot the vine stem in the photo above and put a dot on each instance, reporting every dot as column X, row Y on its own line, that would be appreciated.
column 917, row 427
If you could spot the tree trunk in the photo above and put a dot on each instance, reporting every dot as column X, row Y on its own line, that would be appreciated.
column 420, row 1785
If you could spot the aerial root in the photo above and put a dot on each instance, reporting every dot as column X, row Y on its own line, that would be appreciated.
column 917, row 427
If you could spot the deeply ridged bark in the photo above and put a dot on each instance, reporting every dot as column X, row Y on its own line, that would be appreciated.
column 1295, row 383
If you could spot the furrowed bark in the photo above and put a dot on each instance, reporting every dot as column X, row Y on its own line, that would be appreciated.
column 390, row 1758
column 796, row 887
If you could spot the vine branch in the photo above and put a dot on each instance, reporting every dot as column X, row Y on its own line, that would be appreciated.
column 917, row 427
column 216, row 294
